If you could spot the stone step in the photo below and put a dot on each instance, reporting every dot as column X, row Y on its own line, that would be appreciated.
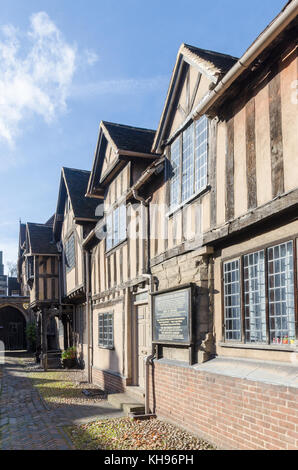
column 127, row 403
column 136, row 392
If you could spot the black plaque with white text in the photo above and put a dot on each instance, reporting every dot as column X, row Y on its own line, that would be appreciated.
column 171, row 317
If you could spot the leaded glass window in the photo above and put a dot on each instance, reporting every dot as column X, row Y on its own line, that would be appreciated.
column 109, row 236
column 281, row 293
column 189, row 161
column 105, row 330
column 267, row 290
column 255, row 297
column 232, row 300
column 175, row 178
column 201, row 153
column 116, row 227
column 70, row 253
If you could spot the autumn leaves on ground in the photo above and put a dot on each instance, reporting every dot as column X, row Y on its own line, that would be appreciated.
column 63, row 387
column 130, row 434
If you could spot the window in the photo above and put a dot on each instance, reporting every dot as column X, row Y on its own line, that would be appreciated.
column 255, row 297
column 116, row 227
column 70, row 253
column 105, row 330
column 189, row 158
column 232, row 301
column 281, row 293
column 268, row 279
column 30, row 267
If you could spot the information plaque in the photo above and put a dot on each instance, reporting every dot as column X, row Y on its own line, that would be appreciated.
column 172, row 317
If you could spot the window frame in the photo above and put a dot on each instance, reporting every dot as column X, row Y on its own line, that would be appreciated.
column 103, row 345
column 70, row 268
column 179, row 141
column 30, row 271
column 266, row 344
column 110, row 215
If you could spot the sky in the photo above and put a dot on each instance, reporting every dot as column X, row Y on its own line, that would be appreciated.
column 65, row 65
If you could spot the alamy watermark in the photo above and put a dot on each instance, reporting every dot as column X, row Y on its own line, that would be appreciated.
column 165, row 222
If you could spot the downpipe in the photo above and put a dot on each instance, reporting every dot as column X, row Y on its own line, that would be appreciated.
column 148, row 362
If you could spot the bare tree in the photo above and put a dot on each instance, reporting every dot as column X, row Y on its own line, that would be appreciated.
column 12, row 268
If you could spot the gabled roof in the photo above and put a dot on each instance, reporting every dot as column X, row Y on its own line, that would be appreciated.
column 50, row 222
column 22, row 234
column 128, row 142
column 282, row 28
column 73, row 184
column 40, row 238
column 76, row 182
column 212, row 64
column 129, row 138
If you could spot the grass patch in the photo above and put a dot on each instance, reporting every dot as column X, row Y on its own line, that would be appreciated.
column 54, row 388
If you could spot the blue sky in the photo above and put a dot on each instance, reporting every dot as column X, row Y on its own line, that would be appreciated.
column 65, row 65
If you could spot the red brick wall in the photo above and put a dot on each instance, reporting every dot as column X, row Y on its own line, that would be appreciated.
column 229, row 412
column 108, row 381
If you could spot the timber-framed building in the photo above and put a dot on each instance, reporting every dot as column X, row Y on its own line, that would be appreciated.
column 181, row 261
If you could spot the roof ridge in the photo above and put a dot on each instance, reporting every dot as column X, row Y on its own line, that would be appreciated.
column 75, row 169
column 208, row 51
column 128, row 126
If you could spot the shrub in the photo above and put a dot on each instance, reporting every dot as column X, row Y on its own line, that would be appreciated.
column 69, row 353
column 31, row 335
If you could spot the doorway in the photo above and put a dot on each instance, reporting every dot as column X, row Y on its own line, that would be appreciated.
column 141, row 342
column 12, row 328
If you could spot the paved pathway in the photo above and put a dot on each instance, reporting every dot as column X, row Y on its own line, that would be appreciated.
column 26, row 422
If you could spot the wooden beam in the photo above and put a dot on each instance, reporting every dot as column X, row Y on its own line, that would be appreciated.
column 230, row 170
column 277, row 167
column 271, row 210
column 251, row 174
column 212, row 169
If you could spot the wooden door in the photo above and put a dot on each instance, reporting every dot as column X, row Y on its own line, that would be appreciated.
column 143, row 340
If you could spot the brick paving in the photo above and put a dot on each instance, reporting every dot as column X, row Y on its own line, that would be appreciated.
column 27, row 423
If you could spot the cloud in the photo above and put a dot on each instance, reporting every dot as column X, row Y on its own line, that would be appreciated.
column 91, row 57
column 124, row 86
column 36, row 72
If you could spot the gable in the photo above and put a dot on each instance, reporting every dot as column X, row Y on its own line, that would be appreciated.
column 109, row 158
column 196, row 73
column 194, row 85
column 117, row 145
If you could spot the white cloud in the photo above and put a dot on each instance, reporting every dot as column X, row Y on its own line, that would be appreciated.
column 36, row 72
column 120, row 86
column 91, row 57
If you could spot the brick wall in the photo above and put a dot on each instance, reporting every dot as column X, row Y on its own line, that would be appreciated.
column 108, row 381
column 229, row 412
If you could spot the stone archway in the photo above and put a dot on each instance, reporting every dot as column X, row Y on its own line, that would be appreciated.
column 12, row 327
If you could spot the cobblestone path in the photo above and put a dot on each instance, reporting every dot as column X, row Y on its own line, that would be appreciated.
column 27, row 423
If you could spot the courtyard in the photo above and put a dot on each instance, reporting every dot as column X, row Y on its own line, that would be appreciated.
column 49, row 411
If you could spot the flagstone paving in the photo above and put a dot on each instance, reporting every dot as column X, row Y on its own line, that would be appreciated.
column 28, row 423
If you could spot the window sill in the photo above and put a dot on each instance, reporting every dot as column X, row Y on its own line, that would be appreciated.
column 265, row 347
column 187, row 201
column 106, row 347
column 114, row 248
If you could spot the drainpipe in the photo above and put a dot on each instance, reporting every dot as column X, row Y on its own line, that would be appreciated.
column 87, row 287
column 147, row 359
column 273, row 30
